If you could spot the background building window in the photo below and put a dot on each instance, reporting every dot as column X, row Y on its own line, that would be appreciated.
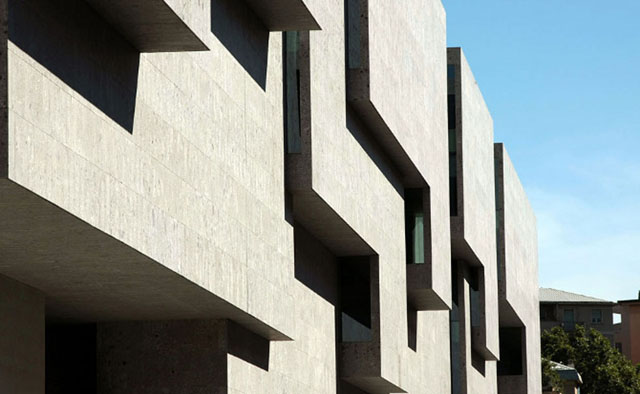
column 547, row 313
column 596, row 316
column 568, row 319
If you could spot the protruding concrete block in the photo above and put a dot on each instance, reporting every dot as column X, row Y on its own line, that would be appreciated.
column 517, row 242
column 473, row 228
column 282, row 15
column 150, row 25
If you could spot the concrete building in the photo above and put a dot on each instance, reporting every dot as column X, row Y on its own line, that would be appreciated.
column 627, row 332
column 561, row 308
column 255, row 197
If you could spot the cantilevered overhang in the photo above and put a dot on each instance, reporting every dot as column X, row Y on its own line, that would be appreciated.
column 282, row 15
column 89, row 276
column 149, row 25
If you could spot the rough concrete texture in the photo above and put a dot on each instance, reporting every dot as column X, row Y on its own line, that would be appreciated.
column 342, row 173
column 281, row 15
column 171, row 156
column 149, row 187
column 21, row 338
column 518, row 265
column 405, row 109
column 150, row 25
column 473, row 230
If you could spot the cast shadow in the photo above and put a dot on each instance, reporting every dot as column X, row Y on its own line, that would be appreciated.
column 248, row 346
column 244, row 35
column 73, row 42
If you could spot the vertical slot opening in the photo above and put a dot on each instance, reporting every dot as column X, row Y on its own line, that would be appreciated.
column 291, row 45
column 414, row 225
column 355, row 300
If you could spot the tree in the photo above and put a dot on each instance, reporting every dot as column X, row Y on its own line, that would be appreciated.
column 603, row 369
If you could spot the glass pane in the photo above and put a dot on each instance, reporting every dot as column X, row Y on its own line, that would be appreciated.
column 596, row 316
column 414, row 225
column 354, row 331
column 568, row 315
column 353, row 34
column 418, row 238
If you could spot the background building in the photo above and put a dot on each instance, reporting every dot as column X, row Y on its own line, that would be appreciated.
column 627, row 332
column 564, row 309
column 255, row 197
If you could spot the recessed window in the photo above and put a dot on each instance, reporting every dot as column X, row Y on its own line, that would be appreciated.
column 511, row 351
column 355, row 300
column 568, row 319
column 596, row 316
column 547, row 313
column 414, row 225
column 292, row 91
column 354, row 14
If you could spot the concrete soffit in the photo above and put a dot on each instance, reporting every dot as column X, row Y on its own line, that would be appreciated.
column 149, row 25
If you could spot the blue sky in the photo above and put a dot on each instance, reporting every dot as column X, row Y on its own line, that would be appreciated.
column 562, row 81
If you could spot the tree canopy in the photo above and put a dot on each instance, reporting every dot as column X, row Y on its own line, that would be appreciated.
column 603, row 369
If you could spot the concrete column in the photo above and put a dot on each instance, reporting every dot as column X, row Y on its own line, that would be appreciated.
column 21, row 338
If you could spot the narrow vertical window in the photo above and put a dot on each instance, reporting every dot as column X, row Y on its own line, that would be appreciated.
column 292, row 91
column 353, row 33
column 452, row 120
column 355, row 300
column 512, row 351
column 568, row 319
column 414, row 225
column 454, row 326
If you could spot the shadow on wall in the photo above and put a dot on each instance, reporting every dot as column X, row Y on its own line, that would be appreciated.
column 72, row 41
column 244, row 35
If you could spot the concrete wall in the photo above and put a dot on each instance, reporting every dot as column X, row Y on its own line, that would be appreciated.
column 407, row 81
column 518, row 266
column 179, row 156
column 166, row 169
column 21, row 338
column 346, row 178
column 473, row 229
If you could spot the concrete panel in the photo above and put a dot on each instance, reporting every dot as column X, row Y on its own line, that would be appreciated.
column 190, row 180
column 473, row 229
column 21, row 338
column 150, row 25
column 282, row 15
column 397, row 87
column 518, row 268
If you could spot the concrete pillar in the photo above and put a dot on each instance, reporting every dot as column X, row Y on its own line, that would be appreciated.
column 21, row 338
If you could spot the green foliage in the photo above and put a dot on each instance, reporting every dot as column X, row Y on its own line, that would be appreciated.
column 603, row 369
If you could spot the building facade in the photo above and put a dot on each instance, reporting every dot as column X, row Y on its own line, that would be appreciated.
column 627, row 332
column 564, row 309
column 255, row 197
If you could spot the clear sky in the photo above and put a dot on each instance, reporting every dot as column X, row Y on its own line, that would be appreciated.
column 562, row 81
